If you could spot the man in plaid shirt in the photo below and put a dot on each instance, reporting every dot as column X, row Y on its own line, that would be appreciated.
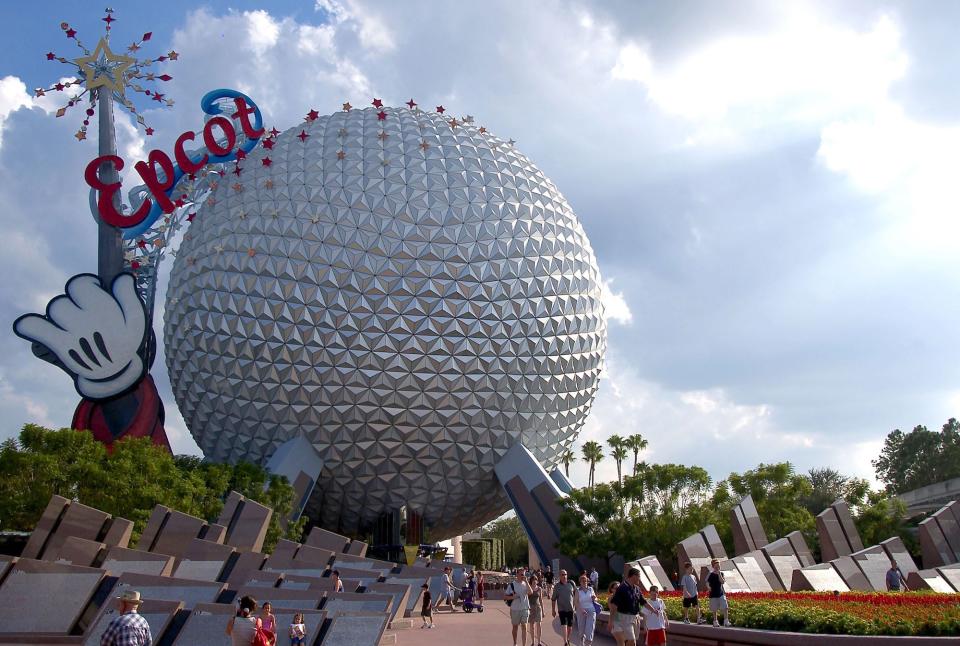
column 129, row 628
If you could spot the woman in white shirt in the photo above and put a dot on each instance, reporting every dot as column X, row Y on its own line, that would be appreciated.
column 586, row 613
column 243, row 627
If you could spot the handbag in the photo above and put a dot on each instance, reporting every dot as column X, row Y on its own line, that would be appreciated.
column 597, row 608
column 261, row 637
column 510, row 601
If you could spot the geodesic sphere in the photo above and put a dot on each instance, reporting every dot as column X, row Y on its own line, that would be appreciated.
column 413, row 296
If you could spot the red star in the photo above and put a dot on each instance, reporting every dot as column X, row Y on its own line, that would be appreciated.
column 108, row 20
column 59, row 87
column 440, row 109
column 134, row 265
column 237, row 170
column 274, row 132
column 191, row 217
column 71, row 32
column 412, row 104
column 377, row 103
column 266, row 161
column 303, row 136
column 241, row 154
column 157, row 96
column 149, row 131
column 381, row 116
column 179, row 203
column 268, row 144
column 142, row 243
column 312, row 115
column 51, row 56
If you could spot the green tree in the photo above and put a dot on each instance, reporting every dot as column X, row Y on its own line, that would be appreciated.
column 618, row 453
column 591, row 523
column 592, row 453
column 129, row 481
column 829, row 485
column 778, row 493
column 509, row 529
column 668, row 502
column 912, row 460
column 566, row 458
column 635, row 443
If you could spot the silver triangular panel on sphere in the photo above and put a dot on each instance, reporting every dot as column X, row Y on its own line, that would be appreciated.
column 412, row 298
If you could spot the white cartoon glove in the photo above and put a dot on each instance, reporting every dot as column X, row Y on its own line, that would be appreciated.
column 96, row 334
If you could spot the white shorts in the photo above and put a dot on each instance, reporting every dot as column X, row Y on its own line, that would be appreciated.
column 627, row 625
column 518, row 616
column 718, row 603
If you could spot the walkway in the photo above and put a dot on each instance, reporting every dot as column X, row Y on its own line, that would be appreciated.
column 490, row 628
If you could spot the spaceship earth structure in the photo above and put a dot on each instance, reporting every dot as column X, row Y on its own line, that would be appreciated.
column 407, row 291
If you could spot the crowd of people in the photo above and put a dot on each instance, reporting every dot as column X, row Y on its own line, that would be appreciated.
column 574, row 604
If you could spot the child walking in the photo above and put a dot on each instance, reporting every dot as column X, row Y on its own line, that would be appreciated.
column 655, row 619
column 298, row 631
column 426, row 610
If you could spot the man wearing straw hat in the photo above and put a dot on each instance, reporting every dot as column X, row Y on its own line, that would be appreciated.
column 129, row 628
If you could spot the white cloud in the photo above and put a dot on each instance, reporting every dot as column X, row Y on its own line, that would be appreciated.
column 702, row 427
column 911, row 165
column 262, row 30
column 614, row 304
column 13, row 96
column 369, row 26
column 803, row 71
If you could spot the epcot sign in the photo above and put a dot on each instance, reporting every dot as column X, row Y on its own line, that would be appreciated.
column 161, row 183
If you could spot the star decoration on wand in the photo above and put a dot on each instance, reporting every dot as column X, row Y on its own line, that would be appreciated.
column 104, row 70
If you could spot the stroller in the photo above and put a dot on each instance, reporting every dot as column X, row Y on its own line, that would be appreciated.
column 466, row 596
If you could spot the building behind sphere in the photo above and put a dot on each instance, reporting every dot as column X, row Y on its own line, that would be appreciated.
column 411, row 294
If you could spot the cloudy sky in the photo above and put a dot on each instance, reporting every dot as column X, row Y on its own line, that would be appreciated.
column 771, row 190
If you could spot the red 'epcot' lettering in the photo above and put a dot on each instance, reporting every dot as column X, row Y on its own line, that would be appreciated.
column 106, row 191
column 148, row 171
column 211, row 142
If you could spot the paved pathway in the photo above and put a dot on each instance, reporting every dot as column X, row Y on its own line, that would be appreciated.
column 490, row 628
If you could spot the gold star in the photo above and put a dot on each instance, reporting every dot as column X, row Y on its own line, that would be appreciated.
column 347, row 107
column 482, row 130
column 81, row 135
column 382, row 136
column 237, row 187
column 341, row 154
column 172, row 55
column 315, row 219
column 251, row 252
column 268, row 183
column 103, row 68
column 424, row 146
column 454, row 123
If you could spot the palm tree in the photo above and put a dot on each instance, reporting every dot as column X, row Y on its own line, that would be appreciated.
column 566, row 458
column 619, row 453
column 635, row 443
column 592, row 453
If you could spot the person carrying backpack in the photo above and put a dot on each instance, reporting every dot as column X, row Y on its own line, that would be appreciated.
column 246, row 629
